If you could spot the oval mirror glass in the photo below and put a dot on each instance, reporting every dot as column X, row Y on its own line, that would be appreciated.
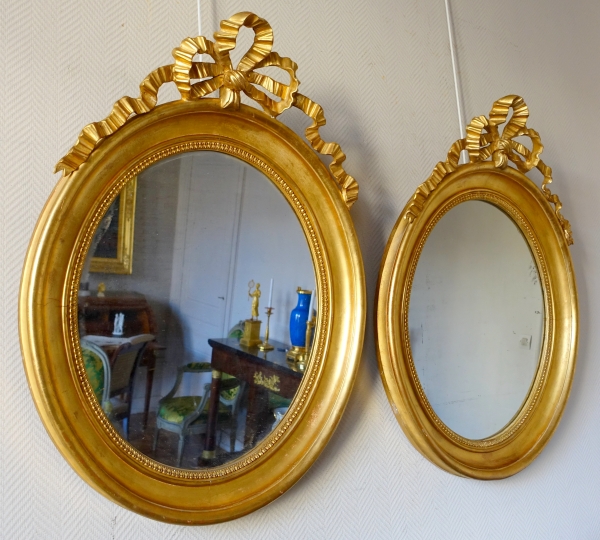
column 186, row 274
column 476, row 319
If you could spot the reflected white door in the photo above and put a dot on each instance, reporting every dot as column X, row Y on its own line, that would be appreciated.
column 210, row 192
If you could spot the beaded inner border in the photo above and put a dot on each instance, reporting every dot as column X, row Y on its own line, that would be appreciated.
column 316, row 359
column 538, row 382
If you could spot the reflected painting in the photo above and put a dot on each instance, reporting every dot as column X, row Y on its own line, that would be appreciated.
column 108, row 243
column 197, row 354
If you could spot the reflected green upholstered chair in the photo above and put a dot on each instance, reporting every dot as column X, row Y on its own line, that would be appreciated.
column 97, row 368
column 188, row 415
column 112, row 380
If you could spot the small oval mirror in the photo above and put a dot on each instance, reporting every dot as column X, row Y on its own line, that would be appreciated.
column 476, row 319
column 477, row 304
column 218, row 255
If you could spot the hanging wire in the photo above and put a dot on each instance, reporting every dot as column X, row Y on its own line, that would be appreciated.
column 199, row 20
column 199, row 25
column 457, row 87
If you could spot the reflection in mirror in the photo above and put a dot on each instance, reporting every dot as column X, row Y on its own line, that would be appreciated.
column 476, row 319
column 215, row 245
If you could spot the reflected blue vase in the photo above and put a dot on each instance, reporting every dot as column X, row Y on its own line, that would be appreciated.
column 298, row 319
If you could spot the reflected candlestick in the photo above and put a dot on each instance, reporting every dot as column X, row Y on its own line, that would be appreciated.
column 265, row 345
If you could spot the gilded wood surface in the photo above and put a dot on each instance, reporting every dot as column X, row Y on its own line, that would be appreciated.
column 537, row 214
column 484, row 140
column 123, row 262
column 220, row 75
column 48, row 315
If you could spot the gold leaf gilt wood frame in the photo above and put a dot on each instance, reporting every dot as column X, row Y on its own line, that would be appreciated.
column 107, row 156
column 537, row 213
column 230, row 82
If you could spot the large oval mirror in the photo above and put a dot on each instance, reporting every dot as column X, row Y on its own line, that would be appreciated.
column 209, row 230
column 193, row 300
column 477, row 305
column 476, row 319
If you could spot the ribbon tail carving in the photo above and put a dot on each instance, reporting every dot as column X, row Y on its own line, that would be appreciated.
column 553, row 198
column 230, row 82
column 93, row 133
column 483, row 140
column 346, row 183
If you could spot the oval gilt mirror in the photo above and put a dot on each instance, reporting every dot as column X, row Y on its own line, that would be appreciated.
column 477, row 306
column 193, row 301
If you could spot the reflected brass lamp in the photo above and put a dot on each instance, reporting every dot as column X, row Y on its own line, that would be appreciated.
column 251, row 335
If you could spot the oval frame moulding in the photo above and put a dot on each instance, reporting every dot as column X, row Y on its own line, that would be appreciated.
column 107, row 155
column 537, row 214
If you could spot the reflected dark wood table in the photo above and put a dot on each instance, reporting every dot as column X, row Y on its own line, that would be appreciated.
column 264, row 371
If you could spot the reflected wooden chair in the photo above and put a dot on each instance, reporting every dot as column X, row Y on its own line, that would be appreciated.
column 123, row 364
column 112, row 380
column 188, row 415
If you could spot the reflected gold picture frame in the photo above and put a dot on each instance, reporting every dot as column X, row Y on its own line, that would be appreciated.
column 121, row 236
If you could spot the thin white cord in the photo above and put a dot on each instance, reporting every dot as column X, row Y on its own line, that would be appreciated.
column 457, row 89
column 199, row 20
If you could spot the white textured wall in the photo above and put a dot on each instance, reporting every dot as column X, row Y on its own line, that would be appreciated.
column 382, row 71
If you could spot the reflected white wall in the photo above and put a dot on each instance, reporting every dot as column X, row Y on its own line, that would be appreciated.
column 475, row 319
column 271, row 244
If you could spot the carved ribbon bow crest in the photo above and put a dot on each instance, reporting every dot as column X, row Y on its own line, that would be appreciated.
column 484, row 140
column 230, row 81
column 220, row 75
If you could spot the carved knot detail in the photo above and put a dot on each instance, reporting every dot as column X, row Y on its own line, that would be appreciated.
column 229, row 80
column 500, row 153
column 220, row 75
column 484, row 140
column 234, row 80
